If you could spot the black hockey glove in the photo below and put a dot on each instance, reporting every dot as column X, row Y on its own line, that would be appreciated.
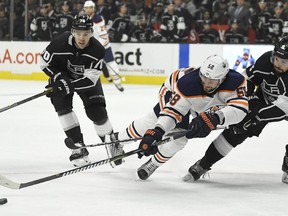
column 202, row 125
column 150, row 137
column 62, row 87
column 254, row 104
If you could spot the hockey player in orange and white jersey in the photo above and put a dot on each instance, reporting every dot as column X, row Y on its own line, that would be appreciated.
column 101, row 34
column 199, row 91
column 139, row 126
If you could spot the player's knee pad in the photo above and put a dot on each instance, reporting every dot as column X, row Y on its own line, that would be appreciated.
column 97, row 113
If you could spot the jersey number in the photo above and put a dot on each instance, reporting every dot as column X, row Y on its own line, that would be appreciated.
column 174, row 100
column 46, row 56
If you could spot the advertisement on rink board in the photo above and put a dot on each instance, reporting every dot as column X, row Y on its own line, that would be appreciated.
column 140, row 62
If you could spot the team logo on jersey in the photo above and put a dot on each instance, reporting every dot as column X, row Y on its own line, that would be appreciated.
column 272, row 90
column 63, row 22
column 76, row 70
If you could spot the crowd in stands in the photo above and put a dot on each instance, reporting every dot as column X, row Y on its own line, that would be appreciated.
column 174, row 21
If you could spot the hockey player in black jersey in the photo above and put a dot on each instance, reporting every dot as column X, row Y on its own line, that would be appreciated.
column 267, row 90
column 73, row 63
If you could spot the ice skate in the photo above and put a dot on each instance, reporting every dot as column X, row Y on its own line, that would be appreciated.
column 79, row 157
column 117, row 82
column 146, row 170
column 114, row 150
column 285, row 167
column 195, row 172
column 119, row 87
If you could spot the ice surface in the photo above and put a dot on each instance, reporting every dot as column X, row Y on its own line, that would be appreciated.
column 247, row 182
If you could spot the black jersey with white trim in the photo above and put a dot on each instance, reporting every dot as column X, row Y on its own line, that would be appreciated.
column 272, row 88
column 82, row 66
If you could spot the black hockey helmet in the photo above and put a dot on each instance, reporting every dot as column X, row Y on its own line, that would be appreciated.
column 281, row 48
column 82, row 22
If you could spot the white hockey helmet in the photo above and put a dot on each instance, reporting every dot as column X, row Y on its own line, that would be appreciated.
column 89, row 3
column 215, row 67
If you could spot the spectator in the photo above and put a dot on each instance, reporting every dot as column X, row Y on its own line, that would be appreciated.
column 201, row 16
column 173, row 28
column 103, row 11
column 77, row 7
column 208, row 34
column 64, row 19
column 41, row 27
column 155, row 17
column 276, row 23
column 51, row 13
column 242, row 14
column 143, row 32
column 260, row 21
column 4, row 25
column 235, row 35
column 220, row 14
column 180, row 11
column 190, row 6
column 119, row 26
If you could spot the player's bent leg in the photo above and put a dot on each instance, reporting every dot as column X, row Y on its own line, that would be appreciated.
column 97, row 113
column 217, row 150
column 285, row 167
column 165, row 152
column 139, row 126
column 71, row 127
column 105, row 132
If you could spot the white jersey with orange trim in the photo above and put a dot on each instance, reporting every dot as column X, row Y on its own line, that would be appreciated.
column 100, row 32
column 170, row 84
column 138, row 127
column 188, row 95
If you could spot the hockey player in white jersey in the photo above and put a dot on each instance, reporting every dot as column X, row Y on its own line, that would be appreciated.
column 101, row 34
column 213, row 93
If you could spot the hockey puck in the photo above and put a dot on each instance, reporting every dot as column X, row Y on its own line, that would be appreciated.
column 3, row 201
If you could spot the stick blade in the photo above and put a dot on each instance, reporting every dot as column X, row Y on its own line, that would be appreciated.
column 8, row 183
